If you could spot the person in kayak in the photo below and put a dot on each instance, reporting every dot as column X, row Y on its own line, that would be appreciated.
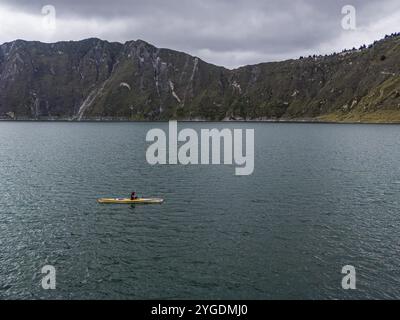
column 133, row 196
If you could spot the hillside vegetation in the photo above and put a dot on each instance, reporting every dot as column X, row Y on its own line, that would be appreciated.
column 94, row 79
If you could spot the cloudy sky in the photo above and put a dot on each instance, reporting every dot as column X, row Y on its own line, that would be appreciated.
column 225, row 32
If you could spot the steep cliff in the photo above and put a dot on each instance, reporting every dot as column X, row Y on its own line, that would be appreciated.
column 95, row 79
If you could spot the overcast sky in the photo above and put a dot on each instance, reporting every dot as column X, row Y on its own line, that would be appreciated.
column 231, row 33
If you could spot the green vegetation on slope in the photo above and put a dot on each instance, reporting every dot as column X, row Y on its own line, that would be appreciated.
column 95, row 79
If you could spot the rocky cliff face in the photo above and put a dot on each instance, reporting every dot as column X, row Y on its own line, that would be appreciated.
column 95, row 79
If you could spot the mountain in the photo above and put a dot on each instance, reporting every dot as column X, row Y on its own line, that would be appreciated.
column 94, row 79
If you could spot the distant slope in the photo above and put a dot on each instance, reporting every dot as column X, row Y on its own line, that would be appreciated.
column 95, row 79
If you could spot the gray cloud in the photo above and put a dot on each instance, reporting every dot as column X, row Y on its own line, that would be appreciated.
column 225, row 32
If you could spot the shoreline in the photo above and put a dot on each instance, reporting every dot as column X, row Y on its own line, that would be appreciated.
column 272, row 121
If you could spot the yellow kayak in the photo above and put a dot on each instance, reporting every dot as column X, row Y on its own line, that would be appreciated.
column 129, row 201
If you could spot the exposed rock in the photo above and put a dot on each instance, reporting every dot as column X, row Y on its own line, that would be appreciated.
column 125, row 85
column 95, row 79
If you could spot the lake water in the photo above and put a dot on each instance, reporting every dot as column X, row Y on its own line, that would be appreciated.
column 322, row 196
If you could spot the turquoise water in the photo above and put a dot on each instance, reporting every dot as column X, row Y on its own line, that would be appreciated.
column 322, row 196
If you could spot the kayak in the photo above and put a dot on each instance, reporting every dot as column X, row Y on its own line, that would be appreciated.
column 129, row 201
